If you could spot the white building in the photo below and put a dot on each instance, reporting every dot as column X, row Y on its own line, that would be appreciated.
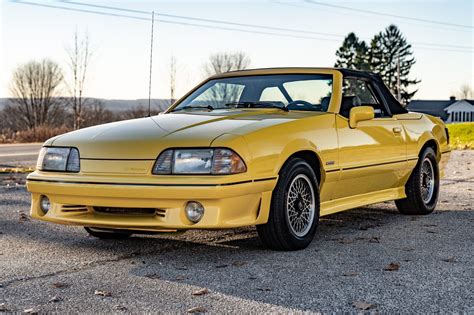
column 451, row 111
column 460, row 111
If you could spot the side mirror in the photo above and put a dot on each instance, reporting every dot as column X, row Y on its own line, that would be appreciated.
column 360, row 113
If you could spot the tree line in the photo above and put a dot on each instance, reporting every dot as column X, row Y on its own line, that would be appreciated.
column 46, row 100
column 388, row 54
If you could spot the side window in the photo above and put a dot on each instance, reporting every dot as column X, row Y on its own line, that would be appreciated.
column 273, row 94
column 315, row 92
column 358, row 92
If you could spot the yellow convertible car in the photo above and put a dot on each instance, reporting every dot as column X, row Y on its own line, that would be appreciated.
column 275, row 148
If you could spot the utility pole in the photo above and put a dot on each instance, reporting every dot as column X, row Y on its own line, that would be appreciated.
column 151, row 62
column 399, row 96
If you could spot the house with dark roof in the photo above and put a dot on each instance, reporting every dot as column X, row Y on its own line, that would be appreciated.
column 450, row 111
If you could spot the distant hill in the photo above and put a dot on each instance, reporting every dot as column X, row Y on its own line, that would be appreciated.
column 120, row 105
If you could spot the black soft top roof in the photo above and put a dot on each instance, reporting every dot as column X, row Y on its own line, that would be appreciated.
column 393, row 104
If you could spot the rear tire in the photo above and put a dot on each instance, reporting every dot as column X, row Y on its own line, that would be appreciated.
column 294, row 210
column 108, row 233
column 422, row 188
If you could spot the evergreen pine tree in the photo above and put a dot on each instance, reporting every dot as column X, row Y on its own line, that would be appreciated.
column 386, row 49
column 352, row 54
column 395, row 49
column 375, row 55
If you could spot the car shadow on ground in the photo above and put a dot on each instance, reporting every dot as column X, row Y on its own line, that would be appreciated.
column 353, row 246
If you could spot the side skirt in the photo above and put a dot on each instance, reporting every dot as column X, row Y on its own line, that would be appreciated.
column 346, row 203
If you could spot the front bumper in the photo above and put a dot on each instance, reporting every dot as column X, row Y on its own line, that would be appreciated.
column 75, row 202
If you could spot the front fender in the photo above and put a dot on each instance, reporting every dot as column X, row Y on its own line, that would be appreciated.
column 293, row 147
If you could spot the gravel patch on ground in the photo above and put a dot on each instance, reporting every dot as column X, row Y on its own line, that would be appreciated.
column 368, row 258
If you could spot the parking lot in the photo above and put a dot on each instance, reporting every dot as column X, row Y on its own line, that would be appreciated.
column 369, row 258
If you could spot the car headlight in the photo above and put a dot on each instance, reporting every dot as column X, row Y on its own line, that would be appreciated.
column 219, row 161
column 59, row 160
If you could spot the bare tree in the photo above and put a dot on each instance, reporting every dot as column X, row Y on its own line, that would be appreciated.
column 172, row 79
column 34, row 91
column 95, row 113
column 79, row 59
column 466, row 92
column 225, row 62
column 139, row 111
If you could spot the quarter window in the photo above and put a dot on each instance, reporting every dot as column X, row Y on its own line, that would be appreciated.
column 365, row 94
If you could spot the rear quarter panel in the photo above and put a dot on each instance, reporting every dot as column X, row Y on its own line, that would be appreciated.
column 421, row 128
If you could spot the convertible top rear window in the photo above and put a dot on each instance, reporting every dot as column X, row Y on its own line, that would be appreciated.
column 308, row 92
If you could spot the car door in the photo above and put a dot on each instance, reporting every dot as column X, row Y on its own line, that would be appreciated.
column 372, row 156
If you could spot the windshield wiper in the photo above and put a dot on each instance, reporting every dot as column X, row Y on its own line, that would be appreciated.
column 208, row 107
column 255, row 104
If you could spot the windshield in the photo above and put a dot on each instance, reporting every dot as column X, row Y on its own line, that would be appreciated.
column 309, row 92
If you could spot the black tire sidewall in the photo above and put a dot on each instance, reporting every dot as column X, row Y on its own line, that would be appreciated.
column 431, row 155
column 279, row 206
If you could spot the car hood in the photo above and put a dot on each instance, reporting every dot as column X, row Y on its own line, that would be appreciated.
column 145, row 138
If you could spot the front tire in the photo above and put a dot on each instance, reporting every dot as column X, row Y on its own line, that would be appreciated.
column 294, row 210
column 422, row 188
column 108, row 233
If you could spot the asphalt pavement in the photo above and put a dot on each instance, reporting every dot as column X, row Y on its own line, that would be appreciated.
column 369, row 258
column 15, row 155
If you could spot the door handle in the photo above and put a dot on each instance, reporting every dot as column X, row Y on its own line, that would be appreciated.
column 397, row 130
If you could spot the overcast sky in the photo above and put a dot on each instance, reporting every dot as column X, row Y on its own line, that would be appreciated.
column 121, row 45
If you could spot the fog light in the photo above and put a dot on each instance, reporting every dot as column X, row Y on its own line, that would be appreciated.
column 45, row 204
column 194, row 211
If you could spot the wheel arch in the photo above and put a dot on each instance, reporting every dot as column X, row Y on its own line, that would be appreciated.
column 429, row 142
column 309, row 153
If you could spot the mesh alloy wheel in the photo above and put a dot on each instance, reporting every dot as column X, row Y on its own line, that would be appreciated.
column 300, row 205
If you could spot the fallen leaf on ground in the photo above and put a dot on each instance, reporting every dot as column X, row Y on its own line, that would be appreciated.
column 55, row 299
column 197, row 309
column 450, row 259
column 120, row 308
column 239, row 263
column 102, row 293
column 60, row 285
column 392, row 267
column 23, row 217
column 350, row 274
column 152, row 276
column 345, row 241
column 222, row 266
column 200, row 292
column 374, row 239
column 363, row 306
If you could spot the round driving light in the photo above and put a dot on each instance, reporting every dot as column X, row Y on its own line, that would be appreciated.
column 45, row 205
column 194, row 211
